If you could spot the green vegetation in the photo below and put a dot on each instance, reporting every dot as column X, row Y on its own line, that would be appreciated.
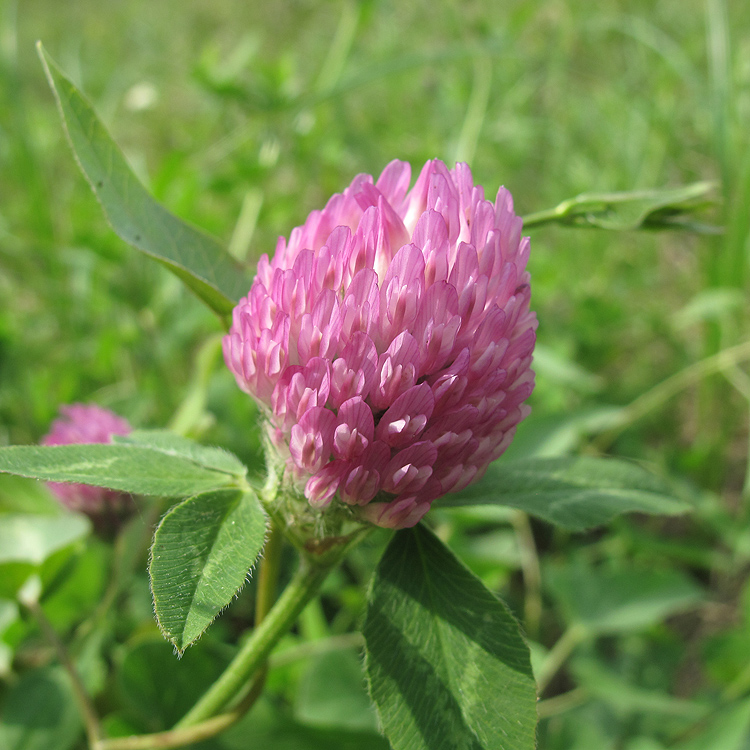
column 242, row 117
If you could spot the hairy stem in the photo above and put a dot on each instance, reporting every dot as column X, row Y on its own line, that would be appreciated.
column 268, row 576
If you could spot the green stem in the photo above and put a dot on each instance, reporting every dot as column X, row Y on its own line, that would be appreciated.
column 653, row 399
column 191, row 409
column 742, row 383
column 476, row 111
column 561, row 703
column 739, row 687
column 547, row 216
column 268, row 579
column 558, row 655
column 268, row 576
column 189, row 735
column 301, row 589
column 188, row 732
column 172, row 737
column 532, row 576
column 311, row 649
column 210, row 716
column 341, row 45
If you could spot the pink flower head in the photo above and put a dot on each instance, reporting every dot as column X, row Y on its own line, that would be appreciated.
column 390, row 340
column 83, row 423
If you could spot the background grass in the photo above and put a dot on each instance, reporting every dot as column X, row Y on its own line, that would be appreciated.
column 242, row 117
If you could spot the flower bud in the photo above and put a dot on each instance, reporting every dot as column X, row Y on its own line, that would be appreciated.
column 87, row 423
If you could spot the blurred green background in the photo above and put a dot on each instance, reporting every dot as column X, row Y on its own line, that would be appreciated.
column 242, row 117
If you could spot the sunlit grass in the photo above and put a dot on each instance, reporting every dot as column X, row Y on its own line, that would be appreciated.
column 242, row 117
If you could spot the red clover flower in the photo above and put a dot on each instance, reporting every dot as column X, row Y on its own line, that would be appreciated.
column 82, row 423
column 389, row 341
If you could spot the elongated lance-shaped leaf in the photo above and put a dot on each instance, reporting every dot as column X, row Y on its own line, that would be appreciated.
column 195, row 257
column 575, row 493
column 668, row 208
column 203, row 550
column 143, row 470
column 446, row 664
